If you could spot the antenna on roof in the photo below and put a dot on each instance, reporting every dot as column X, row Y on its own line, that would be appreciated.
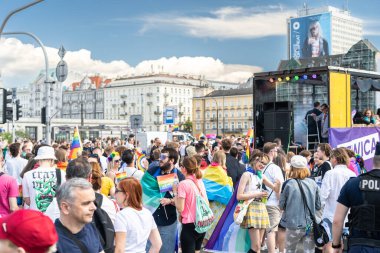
column 346, row 7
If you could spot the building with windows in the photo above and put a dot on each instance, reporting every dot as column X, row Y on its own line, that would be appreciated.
column 32, row 98
column 85, row 99
column 150, row 95
column 223, row 112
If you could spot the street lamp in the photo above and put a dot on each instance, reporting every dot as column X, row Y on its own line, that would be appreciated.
column 217, row 116
column 47, row 81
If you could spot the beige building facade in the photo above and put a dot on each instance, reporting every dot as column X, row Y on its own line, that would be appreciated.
column 223, row 112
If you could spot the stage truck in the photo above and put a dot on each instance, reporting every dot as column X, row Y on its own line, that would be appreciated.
column 282, row 98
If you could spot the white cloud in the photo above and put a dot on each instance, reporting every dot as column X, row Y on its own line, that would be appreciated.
column 225, row 23
column 20, row 64
column 371, row 27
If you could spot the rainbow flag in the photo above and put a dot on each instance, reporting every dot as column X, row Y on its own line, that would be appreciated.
column 175, row 127
column 218, row 185
column 165, row 182
column 249, row 141
column 228, row 236
column 141, row 161
column 120, row 176
column 151, row 192
column 76, row 145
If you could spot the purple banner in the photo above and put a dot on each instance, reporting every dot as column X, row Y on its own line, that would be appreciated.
column 362, row 140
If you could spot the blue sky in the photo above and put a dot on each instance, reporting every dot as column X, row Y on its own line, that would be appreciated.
column 239, row 32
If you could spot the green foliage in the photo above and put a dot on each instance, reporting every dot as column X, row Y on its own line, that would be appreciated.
column 6, row 136
column 188, row 126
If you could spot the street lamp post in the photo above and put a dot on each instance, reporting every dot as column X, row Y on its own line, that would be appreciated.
column 16, row 11
column 47, row 81
column 217, row 116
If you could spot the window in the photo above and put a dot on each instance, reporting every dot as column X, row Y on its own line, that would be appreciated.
column 239, row 124
column 213, row 125
column 232, row 114
column 245, row 125
column 232, row 125
column 207, row 125
column 198, row 115
column 198, row 126
column 226, row 125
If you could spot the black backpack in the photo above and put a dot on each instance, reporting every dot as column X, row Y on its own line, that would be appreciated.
column 104, row 225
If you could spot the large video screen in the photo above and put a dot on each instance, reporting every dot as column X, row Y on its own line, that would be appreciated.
column 310, row 36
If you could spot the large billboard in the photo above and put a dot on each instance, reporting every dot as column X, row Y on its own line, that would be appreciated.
column 310, row 36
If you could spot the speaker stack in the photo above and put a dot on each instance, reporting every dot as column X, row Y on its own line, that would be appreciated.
column 278, row 122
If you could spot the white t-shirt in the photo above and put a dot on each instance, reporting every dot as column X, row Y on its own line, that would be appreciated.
column 331, row 185
column 273, row 172
column 39, row 185
column 138, row 226
column 13, row 167
column 132, row 172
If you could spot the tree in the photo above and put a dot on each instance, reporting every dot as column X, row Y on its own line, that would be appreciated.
column 188, row 126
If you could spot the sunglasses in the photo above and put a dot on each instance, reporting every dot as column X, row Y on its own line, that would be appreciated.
column 116, row 161
column 163, row 156
column 118, row 190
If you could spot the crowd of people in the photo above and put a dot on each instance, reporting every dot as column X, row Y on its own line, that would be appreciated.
column 107, row 199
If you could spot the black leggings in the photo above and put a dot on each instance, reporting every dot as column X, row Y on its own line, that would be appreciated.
column 190, row 239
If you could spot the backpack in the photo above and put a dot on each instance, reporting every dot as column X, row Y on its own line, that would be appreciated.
column 204, row 217
column 104, row 225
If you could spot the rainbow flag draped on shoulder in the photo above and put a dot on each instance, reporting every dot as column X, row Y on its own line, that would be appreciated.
column 218, row 185
column 151, row 192
column 76, row 145
column 227, row 236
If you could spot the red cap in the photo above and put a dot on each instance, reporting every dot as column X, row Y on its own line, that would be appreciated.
column 29, row 229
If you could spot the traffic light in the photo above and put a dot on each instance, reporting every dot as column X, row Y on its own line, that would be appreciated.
column 43, row 115
column 7, row 106
column 18, row 109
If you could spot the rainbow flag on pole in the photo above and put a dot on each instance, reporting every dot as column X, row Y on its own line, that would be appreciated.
column 76, row 145
column 249, row 141
column 175, row 127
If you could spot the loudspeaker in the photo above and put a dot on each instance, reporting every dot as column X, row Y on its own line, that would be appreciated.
column 283, row 120
column 269, row 120
column 268, row 107
column 279, row 120
column 284, row 106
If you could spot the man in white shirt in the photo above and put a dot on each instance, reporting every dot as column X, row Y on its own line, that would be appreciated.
column 14, row 164
column 128, row 158
column 39, row 185
column 273, row 173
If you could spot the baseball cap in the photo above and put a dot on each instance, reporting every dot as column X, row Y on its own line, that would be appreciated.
column 29, row 229
column 298, row 162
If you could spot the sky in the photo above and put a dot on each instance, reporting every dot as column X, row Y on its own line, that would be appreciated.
column 218, row 39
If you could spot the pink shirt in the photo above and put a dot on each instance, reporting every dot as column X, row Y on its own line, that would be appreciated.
column 8, row 189
column 187, row 190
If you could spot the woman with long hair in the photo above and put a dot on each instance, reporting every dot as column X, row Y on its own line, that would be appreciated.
column 114, row 161
column 185, row 202
column 108, row 205
column 134, row 225
column 296, row 218
column 256, row 219
column 107, row 184
column 218, row 187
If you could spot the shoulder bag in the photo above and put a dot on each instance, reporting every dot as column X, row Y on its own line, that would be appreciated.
column 320, row 235
column 242, row 208
column 204, row 217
